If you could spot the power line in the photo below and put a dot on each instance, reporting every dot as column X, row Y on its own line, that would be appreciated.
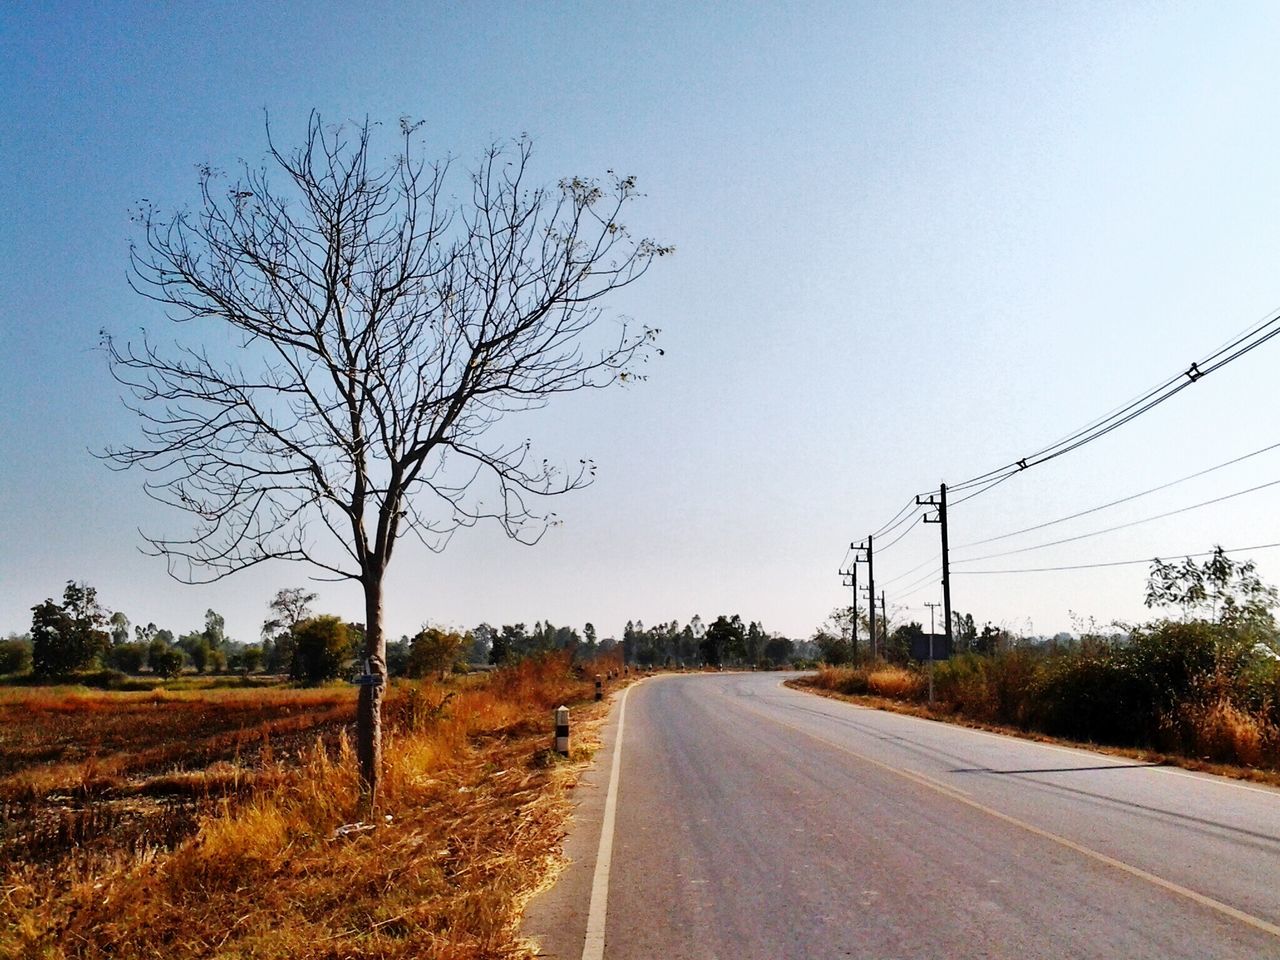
column 1122, row 526
column 892, row 523
column 1233, row 350
column 911, row 587
column 1114, row 503
column 909, row 529
column 903, row 576
column 1111, row 563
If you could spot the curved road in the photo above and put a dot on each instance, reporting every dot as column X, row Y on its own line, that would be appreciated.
column 751, row 820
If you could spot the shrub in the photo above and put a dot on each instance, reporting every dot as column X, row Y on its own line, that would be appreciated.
column 15, row 655
column 321, row 647
column 165, row 661
column 128, row 657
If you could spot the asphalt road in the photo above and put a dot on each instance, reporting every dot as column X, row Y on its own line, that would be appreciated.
column 751, row 820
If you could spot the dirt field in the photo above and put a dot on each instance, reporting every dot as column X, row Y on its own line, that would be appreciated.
column 89, row 774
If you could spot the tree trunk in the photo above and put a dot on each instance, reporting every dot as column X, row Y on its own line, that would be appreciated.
column 369, row 708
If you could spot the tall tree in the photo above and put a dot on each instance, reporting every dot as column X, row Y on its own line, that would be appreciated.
column 378, row 329
column 289, row 607
column 68, row 636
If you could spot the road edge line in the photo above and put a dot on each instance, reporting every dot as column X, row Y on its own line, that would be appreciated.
column 593, row 942
column 1169, row 886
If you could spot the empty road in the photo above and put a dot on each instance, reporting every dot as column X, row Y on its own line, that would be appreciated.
column 747, row 820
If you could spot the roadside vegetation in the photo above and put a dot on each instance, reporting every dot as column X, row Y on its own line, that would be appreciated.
column 1205, row 685
column 216, row 822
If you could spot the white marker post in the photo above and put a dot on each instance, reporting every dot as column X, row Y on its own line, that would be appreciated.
column 562, row 731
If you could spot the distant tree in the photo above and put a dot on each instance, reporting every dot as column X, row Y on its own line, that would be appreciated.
column 321, row 645
column 215, row 630
column 69, row 636
column 964, row 632
column 898, row 646
column 510, row 644
column 398, row 656
column 754, row 643
column 383, row 323
column 778, row 650
column 15, row 653
column 433, row 650
column 832, row 648
column 290, row 607
column 723, row 640
column 248, row 659
column 481, row 643
column 165, row 659
column 119, row 628
column 197, row 649
column 988, row 641
column 129, row 657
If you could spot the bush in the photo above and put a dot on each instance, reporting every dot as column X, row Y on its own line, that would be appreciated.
column 128, row 657
column 15, row 655
column 165, row 661
column 321, row 647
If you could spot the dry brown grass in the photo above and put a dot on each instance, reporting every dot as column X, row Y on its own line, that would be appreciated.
column 890, row 681
column 474, row 805
column 1200, row 763
column 1222, row 732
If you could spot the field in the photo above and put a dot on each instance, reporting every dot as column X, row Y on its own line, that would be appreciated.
column 216, row 822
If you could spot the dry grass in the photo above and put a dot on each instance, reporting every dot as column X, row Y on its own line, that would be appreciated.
column 474, row 805
column 889, row 681
column 1201, row 763
column 1220, row 731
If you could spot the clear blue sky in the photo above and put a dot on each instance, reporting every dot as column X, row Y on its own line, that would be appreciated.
column 915, row 241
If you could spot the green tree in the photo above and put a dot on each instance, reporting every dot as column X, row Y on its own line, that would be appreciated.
column 119, row 628
column 778, row 650
column 433, row 650
column 165, row 659
column 69, row 636
column 129, row 657
column 15, row 653
column 832, row 648
column 321, row 645
column 290, row 607
column 197, row 649
column 1231, row 592
column 723, row 640
column 898, row 646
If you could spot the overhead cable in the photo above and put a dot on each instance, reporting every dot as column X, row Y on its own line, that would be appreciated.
column 1233, row 350
column 1115, row 503
column 1120, row 526
column 1111, row 563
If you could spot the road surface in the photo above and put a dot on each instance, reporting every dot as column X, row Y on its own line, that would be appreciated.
column 748, row 820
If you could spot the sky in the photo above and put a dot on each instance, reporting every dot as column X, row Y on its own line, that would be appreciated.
column 915, row 241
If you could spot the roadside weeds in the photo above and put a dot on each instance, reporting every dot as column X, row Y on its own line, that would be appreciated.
column 1154, row 757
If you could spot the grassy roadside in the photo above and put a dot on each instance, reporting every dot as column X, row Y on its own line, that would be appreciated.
column 810, row 684
column 473, row 808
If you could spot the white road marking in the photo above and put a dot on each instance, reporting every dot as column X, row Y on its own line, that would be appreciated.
column 593, row 945
column 1076, row 751
column 1195, row 896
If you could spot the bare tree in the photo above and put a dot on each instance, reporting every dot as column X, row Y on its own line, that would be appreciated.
column 363, row 333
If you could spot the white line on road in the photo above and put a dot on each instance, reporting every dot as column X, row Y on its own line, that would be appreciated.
column 1217, row 779
column 593, row 945
column 1196, row 897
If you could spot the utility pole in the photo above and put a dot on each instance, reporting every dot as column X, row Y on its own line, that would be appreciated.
column 871, row 592
column 884, row 620
column 852, row 574
column 932, row 607
column 940, row 503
